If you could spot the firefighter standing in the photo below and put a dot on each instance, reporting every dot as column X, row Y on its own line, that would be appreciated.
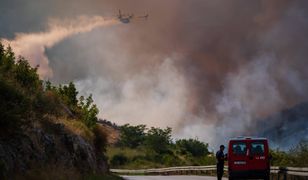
column 220, row 157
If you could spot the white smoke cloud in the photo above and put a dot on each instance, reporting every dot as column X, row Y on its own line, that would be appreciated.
column 32, row 46
column 247, row 96
column 156, row 97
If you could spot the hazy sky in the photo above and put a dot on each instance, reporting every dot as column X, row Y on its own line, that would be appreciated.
column 207, row 68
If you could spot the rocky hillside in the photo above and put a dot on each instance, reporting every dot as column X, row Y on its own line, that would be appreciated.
column 50, row 144
column 111, row 130
column 46, row 132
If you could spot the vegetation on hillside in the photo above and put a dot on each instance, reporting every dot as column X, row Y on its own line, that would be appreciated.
column 24, row 97
column 28, row 103
column 142, row 147
column 295, row 157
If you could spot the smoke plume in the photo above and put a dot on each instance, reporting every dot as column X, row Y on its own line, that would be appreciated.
column 33, row 46
column 209, row 69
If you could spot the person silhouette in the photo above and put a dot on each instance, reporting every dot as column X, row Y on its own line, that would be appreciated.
column 220, row 157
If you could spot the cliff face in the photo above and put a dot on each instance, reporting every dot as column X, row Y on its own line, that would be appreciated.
column 47, row 147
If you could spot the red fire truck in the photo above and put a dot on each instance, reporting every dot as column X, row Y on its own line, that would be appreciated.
column 248, row 158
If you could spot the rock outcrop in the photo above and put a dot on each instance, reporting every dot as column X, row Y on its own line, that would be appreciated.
column 39, row 147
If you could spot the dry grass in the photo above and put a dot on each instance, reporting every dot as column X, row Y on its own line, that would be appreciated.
column 128, row 152
column 72, row 125
column 113, row 135
column 78, row 128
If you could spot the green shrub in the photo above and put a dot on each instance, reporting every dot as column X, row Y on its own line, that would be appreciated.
column 193, row 146
column 171, row 160
column 7, row 60
column 118, row 160
column 84, row 108
column 158, row 140
column 89, row 112
column 279, row 158
column 132, row 136
column 48, row 102
column 27, row 76
column 68, row 93
column 14, row 107
column 297, row 156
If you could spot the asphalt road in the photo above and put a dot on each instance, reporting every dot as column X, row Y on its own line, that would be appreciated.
column 170, row 178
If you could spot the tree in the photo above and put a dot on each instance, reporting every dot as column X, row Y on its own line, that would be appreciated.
column 279, row 158
column 48, row 86
column 14, row 107
column 118, row 160
column 2, row 51
column 69, row 94
column 7, row 60
column 299, row 154
column 158, row 140
column 26, row 75
column 193, row 146
column 89, row 111
column 132, row 136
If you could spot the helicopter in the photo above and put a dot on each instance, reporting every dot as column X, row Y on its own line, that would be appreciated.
column 126, row 18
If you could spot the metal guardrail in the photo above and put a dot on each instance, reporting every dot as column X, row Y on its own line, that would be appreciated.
column 274, row 170
column 296, row 171
column 164, row 170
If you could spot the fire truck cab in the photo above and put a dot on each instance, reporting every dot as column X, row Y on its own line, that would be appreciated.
column 248, row 158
